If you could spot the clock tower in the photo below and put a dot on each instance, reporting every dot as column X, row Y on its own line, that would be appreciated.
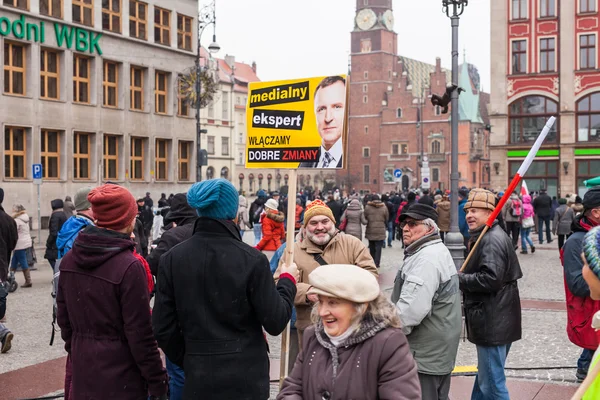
column 374, row 72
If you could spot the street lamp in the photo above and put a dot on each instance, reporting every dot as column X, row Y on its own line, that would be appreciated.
column 454, row 239
column 206, row 17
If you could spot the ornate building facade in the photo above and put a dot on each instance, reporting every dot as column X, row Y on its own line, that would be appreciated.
column 392, row 124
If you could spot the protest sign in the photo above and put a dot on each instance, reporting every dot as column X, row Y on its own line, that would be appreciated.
column 299, row 123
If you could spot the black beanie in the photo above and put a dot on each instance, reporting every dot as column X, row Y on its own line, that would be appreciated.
column 591, row 198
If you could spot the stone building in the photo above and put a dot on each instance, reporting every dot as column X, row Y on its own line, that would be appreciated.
column 545, row 63
column 392, row 124
column 90, row 91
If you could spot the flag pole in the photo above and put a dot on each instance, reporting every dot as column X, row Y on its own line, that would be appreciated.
column 513, row 185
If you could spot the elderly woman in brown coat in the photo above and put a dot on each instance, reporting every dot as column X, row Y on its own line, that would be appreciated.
column 377, row 216
column 355, row 219
column 356, row 345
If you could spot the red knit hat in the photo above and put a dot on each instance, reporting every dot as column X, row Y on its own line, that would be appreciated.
column 113, row 206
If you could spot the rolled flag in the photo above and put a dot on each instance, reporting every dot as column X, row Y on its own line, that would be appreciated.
column 524, row 189
column 522, row 170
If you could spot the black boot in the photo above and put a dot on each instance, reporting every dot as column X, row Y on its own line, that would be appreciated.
column 532, row 249
column 524, row 251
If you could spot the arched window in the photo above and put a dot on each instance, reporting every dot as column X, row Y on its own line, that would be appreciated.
column 398, row 112
column 210, row 173
column 225, row 173
column 436, row 147
column 251, row 183
column 528, row 116
column 260, row 179
column 588, row 118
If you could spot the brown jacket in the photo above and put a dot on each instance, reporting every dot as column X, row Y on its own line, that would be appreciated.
column 342, row 249
column 377, row 217
column 380, row 367
column 443, row 210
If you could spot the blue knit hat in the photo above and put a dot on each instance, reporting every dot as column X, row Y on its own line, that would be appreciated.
column 214, row 198
column 261, row 193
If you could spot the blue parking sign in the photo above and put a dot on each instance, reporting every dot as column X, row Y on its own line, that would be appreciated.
column 37, row 171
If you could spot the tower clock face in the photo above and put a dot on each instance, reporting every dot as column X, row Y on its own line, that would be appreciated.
column 366, row 19
column 388, row 19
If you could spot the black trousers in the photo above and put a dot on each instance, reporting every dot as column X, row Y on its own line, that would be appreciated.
column 561, row 241
column 375, row 247
column 513, row 229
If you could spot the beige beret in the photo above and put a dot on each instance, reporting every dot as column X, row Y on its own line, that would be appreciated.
column 481, row 198
column 344, row 281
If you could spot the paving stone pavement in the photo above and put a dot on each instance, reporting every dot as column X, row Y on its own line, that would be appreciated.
column 544, row 342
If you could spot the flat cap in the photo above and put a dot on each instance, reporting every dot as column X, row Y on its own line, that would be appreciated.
column 344, row 281
column 419, row 212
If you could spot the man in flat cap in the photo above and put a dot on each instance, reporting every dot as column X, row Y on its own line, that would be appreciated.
column 427, row 296
column 580, row 306
column 491, row 297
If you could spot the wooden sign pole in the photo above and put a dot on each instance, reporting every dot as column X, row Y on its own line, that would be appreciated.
column 289, row 259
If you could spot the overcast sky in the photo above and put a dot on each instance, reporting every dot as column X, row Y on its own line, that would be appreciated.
column 302, row 38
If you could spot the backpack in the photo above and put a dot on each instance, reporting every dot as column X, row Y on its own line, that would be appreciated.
column 515, row 208
column 256, row 216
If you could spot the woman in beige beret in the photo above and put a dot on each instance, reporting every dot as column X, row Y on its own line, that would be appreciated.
column 355, row 347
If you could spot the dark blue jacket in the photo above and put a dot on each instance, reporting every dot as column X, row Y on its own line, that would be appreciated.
column 462, row 219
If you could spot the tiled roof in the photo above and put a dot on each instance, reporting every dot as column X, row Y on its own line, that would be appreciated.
column 419, row 74
column 242, row 73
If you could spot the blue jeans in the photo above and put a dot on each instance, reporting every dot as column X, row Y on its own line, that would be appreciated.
column 525, row 237
column 490, row 382
column 541, row 221
column 19, row 257
column 176, row 380
column 390, row 230
column 583, row 363
column 257, row 233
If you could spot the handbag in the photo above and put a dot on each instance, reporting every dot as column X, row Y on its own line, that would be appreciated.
column 527, row 222
column 344, row 224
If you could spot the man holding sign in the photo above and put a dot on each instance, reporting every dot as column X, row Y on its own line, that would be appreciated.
column 330, row 105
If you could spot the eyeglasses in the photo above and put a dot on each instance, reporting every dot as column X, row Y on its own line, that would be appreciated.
column 411, row 224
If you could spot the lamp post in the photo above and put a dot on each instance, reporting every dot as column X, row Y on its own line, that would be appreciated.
column 454, row 239
column 206, row 17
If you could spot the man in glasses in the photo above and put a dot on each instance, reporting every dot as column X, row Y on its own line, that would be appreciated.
column 426, row 293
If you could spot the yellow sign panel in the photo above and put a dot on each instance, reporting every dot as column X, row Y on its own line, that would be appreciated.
column 299, row 123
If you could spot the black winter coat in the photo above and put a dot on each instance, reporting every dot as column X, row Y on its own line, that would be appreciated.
column 542, row 205
column 214, row 296
column 256, row 208
column 336, row 209
column 8, row 241
column 491, row 294
column 57, row 219
column 141, row 240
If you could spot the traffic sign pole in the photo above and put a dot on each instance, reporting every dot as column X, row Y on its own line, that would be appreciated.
column 39, row 216
column 37, row 180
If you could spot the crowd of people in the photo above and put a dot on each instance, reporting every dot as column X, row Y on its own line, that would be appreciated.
column 215, row 296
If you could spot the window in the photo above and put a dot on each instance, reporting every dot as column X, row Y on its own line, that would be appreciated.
column 547, row 55
column 437, row 110
column 210, row 173
column 540, row 175
column 366, row 74
column 366, row 130
column 110, row 84
column 110, row 161
column 398, row 113
column 587, row 6
column 136, row 89
column 436, row 147
column 241, row 137
column 210, row 144
column 528, row 116
column 240, row 158
column 183, row 107
column 365, row 88
column 162, row 26
column 404, row 148
column 22, row 4
column 184, row 32
column 184, row 160
column 586, row 169
column 588, row 118
column 225, row 107
column 83, row 12
column 519, row 56
column 161, row 157
column 224, row 146
column 138, row 19
column 160, row 92
column 81, row 155
column 50, row 154
column 519, row 9
column 137, row 158
column 49, row 75
column 435, row 174
column 225, row 174
column 81, row 79
column 547, row 8
column 365, row 99
column 111, row 15
column 395, row 149
column 15, row 155
column 14, row 69
column 365, row 46
column 211, row 110
column 52, row 8
column 366, row 173
column 366, row 152
column 587, row 51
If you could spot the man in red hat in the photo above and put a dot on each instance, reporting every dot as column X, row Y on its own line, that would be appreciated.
column 103, row 307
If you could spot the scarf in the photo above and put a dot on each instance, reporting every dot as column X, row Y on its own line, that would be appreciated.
column 587, row 224
column 365, row 329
